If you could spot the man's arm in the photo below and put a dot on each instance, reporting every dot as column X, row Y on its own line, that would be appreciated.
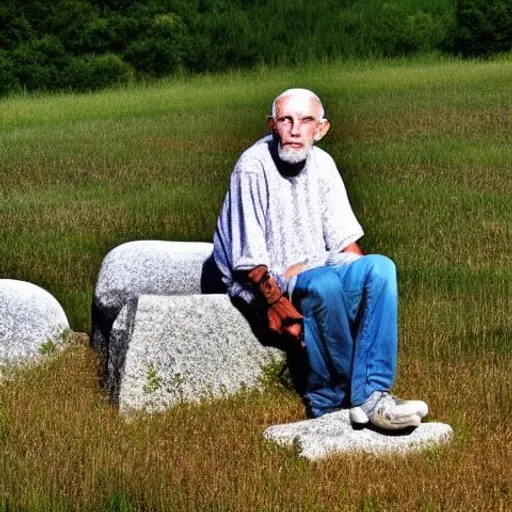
column 242, row 223
column 293, row 270
column 340, row 225
column 353, row 247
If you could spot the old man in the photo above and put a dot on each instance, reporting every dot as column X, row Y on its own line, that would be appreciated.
column 286, row 244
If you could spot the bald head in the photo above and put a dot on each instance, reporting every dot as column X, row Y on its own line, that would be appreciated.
column 303, row 95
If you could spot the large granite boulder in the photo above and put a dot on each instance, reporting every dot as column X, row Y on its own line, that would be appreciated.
column 32, row 322
column 333, row 433
column 168, row 349
column 148, row 267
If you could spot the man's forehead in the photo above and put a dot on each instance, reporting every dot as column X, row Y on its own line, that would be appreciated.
column 300, row 105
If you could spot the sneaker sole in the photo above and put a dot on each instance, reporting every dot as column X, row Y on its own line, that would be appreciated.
column 413, row 420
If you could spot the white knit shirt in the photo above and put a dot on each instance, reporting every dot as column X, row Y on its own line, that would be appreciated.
column 275, row 220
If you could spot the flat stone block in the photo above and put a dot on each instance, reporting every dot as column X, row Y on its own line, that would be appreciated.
column 333, row 433
column 32, row 322
column 148, row 267
column 168, row 349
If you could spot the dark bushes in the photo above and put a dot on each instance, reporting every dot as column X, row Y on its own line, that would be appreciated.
column 87, row 44
column 160, row 49
column 8, row 81
column 96, row 71
column 40, row 63
column 483, row 27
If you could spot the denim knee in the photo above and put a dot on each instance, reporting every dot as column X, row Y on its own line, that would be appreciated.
column 381, row 268
column 321, row 283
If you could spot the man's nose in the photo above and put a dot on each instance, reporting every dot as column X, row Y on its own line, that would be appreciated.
column 294, row 129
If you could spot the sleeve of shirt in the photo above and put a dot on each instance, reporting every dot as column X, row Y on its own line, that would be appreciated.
column 247, row 224
column 340, row 226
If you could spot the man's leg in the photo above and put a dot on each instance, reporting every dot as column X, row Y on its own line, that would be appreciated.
column 350, row 329
column 370, row 285
column 319, row 295
column 375, row 348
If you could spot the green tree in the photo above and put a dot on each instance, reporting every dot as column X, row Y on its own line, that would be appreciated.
column 92, row 72
column 38, row 64
column 482, row 27
column 14, row 29
column 8, row 80
column 160, row 48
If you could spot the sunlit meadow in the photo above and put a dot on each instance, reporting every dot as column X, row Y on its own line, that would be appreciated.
column 424, row 149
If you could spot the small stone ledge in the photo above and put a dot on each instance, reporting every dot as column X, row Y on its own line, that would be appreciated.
column 333, row 433
column 168, row 349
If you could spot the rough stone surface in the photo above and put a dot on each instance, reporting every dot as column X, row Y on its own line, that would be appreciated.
column 333, row 433
column 168, row 349
column 30, row 318
column 148, row 267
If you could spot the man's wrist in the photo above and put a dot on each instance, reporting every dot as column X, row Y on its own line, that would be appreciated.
column 353, row 247
column 258, row 274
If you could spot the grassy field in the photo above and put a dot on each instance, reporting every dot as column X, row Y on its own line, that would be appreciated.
column 424, row 148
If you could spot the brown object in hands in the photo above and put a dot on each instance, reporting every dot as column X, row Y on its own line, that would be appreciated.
column 282, row 316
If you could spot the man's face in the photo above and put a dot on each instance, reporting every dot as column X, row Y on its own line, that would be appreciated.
column 297, row 123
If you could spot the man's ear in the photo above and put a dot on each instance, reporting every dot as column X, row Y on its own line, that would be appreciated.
column 271, row 124
column 321, row 131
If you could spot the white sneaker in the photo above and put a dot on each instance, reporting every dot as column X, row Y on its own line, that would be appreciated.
column 390, row 413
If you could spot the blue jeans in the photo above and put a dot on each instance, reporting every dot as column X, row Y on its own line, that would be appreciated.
column 350, row 331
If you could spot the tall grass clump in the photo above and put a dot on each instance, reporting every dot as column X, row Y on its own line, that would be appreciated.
column 425, row 152
column 293, row 32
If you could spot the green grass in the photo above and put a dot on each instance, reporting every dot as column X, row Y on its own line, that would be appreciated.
column 81, row 174
column 424, row 149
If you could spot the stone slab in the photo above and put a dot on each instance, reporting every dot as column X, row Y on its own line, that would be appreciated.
column 32, row 322
column 333, row 433
column 168, row 349
column 148, row 267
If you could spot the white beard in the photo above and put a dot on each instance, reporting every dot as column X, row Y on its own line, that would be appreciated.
column 292, row 156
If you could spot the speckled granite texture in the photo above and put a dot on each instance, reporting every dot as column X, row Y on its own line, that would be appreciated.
column 165, row 350
column 30, row 318
column 333, row 433
column 148, row 267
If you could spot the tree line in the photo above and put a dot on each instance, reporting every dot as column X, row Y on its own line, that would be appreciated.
column 89, row 44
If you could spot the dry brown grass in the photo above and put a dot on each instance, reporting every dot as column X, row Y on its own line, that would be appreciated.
column 65, row 448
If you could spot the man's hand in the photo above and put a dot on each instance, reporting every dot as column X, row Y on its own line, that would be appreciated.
column 282, row 316
column 285, row 319
column 293, row 270
column 353, row 247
